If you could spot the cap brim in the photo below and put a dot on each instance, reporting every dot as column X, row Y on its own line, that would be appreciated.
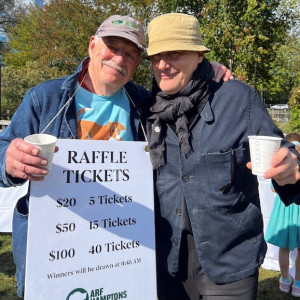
column 124, row 35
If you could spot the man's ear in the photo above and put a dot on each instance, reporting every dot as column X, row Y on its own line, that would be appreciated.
column 92, row 44
column 200, row 57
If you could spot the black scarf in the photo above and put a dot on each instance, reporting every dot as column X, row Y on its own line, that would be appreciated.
column 172, row 109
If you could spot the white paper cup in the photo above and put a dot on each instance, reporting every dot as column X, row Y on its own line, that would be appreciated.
column 46, row 144
column 262, row 148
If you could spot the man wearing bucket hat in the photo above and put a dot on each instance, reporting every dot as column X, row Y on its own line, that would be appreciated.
column 98, row 95
column 209, row 227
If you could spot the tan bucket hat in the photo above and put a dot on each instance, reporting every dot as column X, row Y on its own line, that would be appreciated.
column 174, row 31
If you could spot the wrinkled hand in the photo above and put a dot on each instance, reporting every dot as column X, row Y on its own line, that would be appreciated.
column 285, row 168
column 221, row 71
column 22, row 161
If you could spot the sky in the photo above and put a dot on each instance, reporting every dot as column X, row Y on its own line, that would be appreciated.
column 39, row 2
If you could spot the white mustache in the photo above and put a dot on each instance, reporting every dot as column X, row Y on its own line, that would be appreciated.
column 112, row 64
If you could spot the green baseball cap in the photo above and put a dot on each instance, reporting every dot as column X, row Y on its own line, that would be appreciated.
column 125, row 27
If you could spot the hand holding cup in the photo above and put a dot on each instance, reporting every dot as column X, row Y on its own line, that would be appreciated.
column 280, row 165
column 262, row 148
column 46, row 144
column 24, row 160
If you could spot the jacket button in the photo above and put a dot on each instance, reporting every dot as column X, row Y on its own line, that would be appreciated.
column 174, row 242
column 185, row 178
column 178, row 211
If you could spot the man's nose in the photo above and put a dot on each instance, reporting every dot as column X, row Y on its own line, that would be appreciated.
column 119, row 56
column 163, row 64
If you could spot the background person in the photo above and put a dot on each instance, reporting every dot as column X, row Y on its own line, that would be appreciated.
column 209, row 227
column 283, row 231
column 98, row 102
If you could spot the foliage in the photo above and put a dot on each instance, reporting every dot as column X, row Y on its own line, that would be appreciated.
column 293, row 9
column 243, row 35
column 250, row 37
column 16, row 82
column 7, row 16
column 294, row 103
column 58, row 34
column 247, row 36
column 285, row 71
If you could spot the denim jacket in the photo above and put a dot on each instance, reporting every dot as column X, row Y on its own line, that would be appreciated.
column 220, row 192
column 39, row 106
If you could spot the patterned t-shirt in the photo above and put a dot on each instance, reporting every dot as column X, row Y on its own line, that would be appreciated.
column 103, row 118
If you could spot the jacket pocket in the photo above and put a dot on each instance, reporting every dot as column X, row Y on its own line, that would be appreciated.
column 223, row 170
column 246, row 216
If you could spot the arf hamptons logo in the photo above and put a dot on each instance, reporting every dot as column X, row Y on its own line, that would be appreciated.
column 78, row 294
column 95, row 294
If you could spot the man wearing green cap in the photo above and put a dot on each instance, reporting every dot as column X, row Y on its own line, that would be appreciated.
column 209, row 227
column 98, row 101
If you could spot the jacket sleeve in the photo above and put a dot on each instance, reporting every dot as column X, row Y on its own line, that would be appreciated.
column 262, row 124
column 24, row 122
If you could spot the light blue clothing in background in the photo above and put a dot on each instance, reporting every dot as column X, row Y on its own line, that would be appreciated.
column 284, row 226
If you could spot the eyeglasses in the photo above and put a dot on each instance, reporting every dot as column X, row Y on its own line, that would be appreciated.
column 130, row 55
column 167, row 56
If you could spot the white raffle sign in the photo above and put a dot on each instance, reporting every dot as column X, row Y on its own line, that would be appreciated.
column 91, row 225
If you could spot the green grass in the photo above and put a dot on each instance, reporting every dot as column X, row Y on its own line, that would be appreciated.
column 268, row 286
column 284, row 127
column 267, row 289
column 8, row 286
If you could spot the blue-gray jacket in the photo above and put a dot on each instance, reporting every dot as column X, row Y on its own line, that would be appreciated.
column 39, row 106
column 220, row 192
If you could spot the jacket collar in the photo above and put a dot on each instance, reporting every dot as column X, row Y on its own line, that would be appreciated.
column 207, row 114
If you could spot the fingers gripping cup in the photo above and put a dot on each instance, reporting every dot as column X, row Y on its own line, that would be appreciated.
column 46, row 144
column 262, row 148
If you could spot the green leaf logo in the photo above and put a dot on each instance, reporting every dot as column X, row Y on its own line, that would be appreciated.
column 133, row 26
column 118, row 22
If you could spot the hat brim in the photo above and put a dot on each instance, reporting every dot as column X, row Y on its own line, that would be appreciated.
column 124, row 35
column 153, row 50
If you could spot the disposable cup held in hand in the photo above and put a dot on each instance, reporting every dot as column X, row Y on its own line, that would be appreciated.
column 46, row 144
column 262, row 148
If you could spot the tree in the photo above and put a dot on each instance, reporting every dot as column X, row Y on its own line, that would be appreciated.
column 244, row 35
column 291, row 8
column 17, row 81
column 257, row 39
column 6, row 17
column 57, row 34
column 295, row 110
column 285, row 71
